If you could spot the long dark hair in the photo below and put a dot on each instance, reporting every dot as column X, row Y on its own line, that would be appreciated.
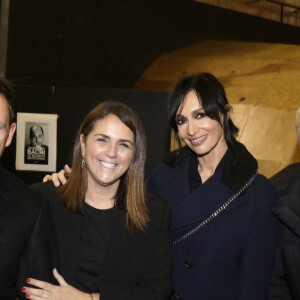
column 130, row 195
column 211, row 96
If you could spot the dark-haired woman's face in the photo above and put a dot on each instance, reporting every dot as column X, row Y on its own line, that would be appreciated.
column 200, row 133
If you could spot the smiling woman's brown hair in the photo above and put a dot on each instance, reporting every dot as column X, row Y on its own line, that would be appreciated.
column 130, row 195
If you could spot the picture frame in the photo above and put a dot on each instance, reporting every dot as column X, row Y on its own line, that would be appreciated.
column 36, row 146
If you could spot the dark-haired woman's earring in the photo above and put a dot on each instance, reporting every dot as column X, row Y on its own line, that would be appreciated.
column 83, row 163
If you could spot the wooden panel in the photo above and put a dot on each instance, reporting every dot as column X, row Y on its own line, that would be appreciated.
column 262, row 83
column 284, row 90
column 240, row 115
column 270, row 134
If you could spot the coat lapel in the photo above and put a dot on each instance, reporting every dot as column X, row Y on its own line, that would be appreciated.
column 235, row 169
column 201, row 203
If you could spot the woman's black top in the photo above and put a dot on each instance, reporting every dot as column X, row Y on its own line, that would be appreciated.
column 94, row 238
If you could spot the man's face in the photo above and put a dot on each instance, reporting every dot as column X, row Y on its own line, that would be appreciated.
column 37, row 136
column 6, row 131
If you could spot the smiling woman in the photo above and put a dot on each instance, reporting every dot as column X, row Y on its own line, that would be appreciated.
column 107, row 152
column 103, row 208
column 109, row 155
column 223, row 230
column 201, row 134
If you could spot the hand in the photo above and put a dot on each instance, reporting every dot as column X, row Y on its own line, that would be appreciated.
column 60, row 177
column 54, row 292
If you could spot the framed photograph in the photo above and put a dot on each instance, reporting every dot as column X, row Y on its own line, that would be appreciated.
column 36, row 142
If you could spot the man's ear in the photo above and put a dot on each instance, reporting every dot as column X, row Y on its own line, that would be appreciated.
column 11, row 132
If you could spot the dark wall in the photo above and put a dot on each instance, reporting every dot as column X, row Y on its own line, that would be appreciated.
column 72, row 104
column 109, row 43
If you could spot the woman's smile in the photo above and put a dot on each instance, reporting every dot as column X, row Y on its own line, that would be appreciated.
column 107, row 164
column 198, row 140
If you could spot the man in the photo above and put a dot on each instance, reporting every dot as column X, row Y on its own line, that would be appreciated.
column 36, row 152
column 26, row 245
column 285, row 283
column 7, row 125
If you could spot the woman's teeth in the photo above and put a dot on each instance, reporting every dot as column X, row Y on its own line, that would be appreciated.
column 108, row 165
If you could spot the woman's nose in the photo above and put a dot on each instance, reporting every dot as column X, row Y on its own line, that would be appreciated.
column 191, row 128
column 111, row 150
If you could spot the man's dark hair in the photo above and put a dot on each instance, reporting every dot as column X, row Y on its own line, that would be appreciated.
column 7, row 92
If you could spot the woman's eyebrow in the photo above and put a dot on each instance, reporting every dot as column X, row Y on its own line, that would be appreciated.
column 104, row 135
column 108, row 137
column 126, row 141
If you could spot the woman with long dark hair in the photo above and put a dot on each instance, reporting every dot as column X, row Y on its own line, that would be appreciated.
column 223, row 230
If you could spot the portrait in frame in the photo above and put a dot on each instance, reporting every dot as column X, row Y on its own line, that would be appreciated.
column 36, row 142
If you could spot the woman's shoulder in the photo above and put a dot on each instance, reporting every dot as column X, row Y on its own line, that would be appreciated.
column 263, row 182
column 157, row 206
column 166, row 170
column 264, row 190
column 161, row 173
column 155, row 202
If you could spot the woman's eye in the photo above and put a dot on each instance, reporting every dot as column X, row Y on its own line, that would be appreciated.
column 124, row 145
column 180, row 121
column 200, row 115
column 101, row 140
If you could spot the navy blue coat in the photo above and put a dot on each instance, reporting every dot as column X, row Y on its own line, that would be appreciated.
column 232, row 256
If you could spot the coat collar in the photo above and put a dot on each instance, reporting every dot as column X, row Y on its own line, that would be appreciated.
column 201, row 203
column 237, row 165
column 288, row 209
column 234, row 170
